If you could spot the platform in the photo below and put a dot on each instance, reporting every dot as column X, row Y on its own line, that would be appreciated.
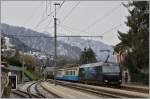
column 68, row 92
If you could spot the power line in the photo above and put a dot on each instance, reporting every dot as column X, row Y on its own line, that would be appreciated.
column 39, row 36
column 100, row 19
column 80, row 36
column 70, row 12
column 52, row 13
column 62, row 11
column 62, row 3
column 50, row 5
column 49, row 24
column 112, row 28
column 32, row 15
column 61, row 6
column 40, row 22
column 101, row 34
column 65, row 26
column 46, row 7
column 58, row 9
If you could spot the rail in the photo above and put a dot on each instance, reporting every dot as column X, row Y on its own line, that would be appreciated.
column 110, row 92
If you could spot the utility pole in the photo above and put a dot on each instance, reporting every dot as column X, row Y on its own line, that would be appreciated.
column 23, row 65
column 55, row 40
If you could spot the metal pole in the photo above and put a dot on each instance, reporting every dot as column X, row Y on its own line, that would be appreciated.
column 55, row 39
column 23, row 66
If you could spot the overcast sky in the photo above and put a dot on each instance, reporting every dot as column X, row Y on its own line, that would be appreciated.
column 94, row 17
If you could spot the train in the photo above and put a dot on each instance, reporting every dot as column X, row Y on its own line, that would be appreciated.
column 98, row 73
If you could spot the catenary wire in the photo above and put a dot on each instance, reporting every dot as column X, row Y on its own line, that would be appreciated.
column 101, row 18
column 70, row 12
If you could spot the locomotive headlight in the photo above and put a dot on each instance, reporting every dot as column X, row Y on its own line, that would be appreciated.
column 106, row 80
column 120, row 80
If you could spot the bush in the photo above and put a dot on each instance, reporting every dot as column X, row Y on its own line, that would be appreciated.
column 140, row 77
column 13, row 61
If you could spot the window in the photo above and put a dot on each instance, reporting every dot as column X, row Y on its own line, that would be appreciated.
column 70, row 72
column 73, row 72
column 66, row 72
column 110, row 69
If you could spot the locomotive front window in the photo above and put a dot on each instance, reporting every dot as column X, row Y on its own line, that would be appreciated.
column 110, row 69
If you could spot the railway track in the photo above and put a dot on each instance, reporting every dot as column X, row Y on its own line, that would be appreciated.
column 52, row 93
column 36, row 94
column 34, row 90
column 28, row 92
column 20, row 93
column 95, row 92
column 123, row 87
column 105, row 91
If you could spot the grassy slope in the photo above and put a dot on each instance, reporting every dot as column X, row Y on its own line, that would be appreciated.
column 32, row 75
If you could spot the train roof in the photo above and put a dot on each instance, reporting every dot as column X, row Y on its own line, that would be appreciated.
column 68, row 66
column 95, row 64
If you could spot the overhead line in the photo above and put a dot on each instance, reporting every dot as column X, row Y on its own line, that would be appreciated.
column 112, row 28
column 65, row 26
column 50, row 36
column 101, row 34
column 81, row 36
column 40, row 22
column 53, row 12
column 70, row 12
column 62, row 3
column 45, row 18
column 31, row 15
column 100, row 19
column 49, row 24
column 46, row 7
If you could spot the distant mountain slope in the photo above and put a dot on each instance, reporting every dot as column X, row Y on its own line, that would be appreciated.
column 42, row 42
column 97, row 46
column 18, row 44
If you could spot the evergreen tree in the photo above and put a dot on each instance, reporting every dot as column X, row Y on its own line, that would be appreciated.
column 91, row 56
column 136, row 41
column 87, row 56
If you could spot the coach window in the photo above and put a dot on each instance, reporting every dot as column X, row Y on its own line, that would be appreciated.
column 66, row 72
column 73, row 72
column 70, row 72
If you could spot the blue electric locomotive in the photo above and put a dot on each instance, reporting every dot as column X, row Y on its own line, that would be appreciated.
column 100, row 73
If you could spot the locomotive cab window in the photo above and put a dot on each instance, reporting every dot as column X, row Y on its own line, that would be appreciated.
column 110, row 69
